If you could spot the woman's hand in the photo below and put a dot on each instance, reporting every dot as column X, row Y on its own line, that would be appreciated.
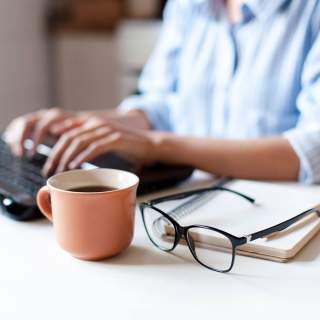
column 37, row 126
column 96, row 137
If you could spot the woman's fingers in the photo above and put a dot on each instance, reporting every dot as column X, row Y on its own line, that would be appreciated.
column 60, row 128
column 97, row 148
column 79, row 144
column 138, row 145
column 25, row 132
column 57, row 151
column 62, row 145
column 93, row 139
column 42, row 127
column 35, row 125
column 18, row 131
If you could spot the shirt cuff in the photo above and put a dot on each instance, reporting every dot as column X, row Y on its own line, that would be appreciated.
column 306, row 144
column 154, row 107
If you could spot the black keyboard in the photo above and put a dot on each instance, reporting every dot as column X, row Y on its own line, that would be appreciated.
column 20, row 178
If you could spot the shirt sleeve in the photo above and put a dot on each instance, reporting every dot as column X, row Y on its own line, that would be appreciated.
column 158, row 81
column 305, row 137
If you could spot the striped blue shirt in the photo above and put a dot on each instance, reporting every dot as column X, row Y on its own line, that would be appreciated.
column 256, row 78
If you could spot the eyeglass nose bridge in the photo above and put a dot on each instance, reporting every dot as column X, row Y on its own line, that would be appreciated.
column 181, row 233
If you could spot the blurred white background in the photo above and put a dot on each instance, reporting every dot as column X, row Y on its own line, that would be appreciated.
column 23, row 58
column 75, row 62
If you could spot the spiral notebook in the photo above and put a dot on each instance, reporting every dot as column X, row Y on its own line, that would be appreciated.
column 276, row 202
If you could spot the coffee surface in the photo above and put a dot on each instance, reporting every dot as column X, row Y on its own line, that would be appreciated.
column 92, row 189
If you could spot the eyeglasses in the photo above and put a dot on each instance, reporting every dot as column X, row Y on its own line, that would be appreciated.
column 166, row 233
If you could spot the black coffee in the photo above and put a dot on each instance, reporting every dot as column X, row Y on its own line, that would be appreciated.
column 92, row 189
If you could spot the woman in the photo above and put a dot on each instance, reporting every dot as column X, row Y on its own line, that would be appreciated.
column 233, row 88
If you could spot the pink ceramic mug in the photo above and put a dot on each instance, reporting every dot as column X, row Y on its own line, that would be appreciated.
column 91, row 225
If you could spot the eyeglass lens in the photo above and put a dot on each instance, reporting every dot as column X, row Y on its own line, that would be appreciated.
column 211, row 248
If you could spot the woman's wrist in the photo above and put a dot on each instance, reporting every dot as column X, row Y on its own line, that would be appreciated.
column 136, row 118
column 185, row 150
column 168, row 147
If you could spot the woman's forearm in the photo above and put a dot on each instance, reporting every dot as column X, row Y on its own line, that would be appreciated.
column 265, row 158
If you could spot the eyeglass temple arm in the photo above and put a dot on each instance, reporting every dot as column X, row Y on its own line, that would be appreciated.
column 182, row 195
column 281, row 226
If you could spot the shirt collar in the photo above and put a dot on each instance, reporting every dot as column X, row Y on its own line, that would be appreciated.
column 258, row 8
column 263, row 8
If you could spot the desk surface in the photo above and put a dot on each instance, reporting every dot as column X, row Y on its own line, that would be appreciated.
column 40, row 281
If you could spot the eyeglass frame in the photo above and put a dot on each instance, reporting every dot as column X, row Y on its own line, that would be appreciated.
column 181, row 232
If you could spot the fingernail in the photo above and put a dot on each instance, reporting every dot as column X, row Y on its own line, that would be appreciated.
column 72, row 165
column 18, row 152
column 60, row 169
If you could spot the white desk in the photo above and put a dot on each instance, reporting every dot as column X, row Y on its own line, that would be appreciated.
column 40, row 281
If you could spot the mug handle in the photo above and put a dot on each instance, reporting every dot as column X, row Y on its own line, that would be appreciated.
column 43, row 201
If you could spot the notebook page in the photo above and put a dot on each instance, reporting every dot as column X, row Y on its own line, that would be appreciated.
column 275, row 202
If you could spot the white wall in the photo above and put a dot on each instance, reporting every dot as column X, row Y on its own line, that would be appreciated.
column 95, row 70
column 23, row 58
column 86, row 71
